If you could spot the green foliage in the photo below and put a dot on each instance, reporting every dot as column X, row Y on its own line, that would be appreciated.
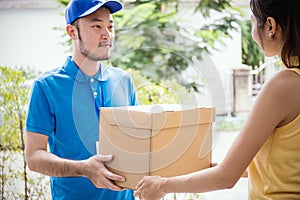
column 13, row 99
column 165, row 92
column 252, row 54
column 64, row 2
column 206, row 6
column 14, row 172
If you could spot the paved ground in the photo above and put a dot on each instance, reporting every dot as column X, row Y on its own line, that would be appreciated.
column 240, row 190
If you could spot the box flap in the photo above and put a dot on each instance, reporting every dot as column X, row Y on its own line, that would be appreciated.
column 127, row 116
column 185, row 117
column 155, row 116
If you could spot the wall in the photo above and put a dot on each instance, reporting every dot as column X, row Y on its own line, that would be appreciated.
column 28, row 39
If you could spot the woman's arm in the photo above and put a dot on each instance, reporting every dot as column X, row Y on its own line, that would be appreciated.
column 267, row 113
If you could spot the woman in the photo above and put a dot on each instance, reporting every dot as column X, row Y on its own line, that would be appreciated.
column 269, row 142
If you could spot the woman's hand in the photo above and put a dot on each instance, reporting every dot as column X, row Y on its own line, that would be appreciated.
column 150, row 188
column 154, row 187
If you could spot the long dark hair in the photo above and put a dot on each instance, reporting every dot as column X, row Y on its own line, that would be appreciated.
column 287, row 15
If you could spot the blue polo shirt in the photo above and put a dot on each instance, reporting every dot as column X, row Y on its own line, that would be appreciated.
column 64, row 106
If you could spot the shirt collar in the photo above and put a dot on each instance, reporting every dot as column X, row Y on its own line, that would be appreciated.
column 102, row 74
column 74, row 72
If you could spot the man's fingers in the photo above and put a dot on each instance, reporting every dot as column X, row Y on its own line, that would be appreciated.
column 114, row 177
column 104, row 158
column 112, row 186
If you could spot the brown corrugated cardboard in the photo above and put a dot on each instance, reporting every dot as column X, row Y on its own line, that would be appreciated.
column 165, row 140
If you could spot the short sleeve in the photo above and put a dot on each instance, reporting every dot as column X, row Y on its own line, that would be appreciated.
column 39, row 116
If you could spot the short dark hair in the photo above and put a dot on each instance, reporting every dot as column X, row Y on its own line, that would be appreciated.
column 76, row 24
column 286, row 14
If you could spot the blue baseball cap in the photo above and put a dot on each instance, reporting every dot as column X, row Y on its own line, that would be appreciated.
column 81, row 8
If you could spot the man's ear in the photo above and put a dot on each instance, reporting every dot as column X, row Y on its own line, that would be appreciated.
column 72, row 31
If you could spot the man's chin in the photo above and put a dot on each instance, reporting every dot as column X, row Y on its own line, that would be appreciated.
column 98, row 57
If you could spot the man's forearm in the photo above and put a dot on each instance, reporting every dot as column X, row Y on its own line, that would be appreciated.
column 49, row 164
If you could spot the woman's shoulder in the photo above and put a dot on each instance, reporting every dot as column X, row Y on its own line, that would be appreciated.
column 282, row 91
column 285, row 79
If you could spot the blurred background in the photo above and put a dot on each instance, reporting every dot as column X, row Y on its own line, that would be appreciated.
column 177, row 51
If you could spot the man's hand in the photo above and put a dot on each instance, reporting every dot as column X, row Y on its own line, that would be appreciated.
column 101, row 177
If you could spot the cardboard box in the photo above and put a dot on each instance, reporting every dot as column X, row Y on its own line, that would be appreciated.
column 165, row 140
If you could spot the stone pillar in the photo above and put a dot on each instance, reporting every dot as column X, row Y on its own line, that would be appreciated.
column 242, row 90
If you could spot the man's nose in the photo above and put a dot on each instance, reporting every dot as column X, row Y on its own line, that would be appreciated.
column 105, row 34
